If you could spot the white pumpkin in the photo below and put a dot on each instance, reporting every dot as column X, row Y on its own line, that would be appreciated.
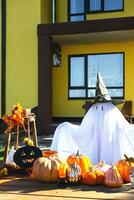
column 46, row 168
column 102, row 166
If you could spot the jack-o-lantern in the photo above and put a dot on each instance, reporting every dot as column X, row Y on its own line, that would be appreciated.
column 25, row 156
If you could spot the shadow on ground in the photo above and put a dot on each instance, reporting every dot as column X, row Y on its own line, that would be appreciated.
column 27, row 185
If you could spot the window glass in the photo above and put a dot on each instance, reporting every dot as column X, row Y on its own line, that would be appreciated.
column 77, row 18
column 77, row 71
column 113, row 4
column 94, row 5
column 110, row 67
column 115, row 92
column 76, row 6
column 77, row 93
column 91, row 93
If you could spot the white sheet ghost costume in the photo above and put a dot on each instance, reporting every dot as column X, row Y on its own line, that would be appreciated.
column 104, row 134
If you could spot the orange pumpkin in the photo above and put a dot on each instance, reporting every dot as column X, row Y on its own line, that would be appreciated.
column 82, row 160
column 113, row 177
column 99, row 176
column 89, row 177
column 93, row 177
column 48, row 153
column 124, row 168
column 63, row 170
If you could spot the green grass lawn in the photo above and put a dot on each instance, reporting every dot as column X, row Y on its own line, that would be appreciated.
column 1, row 154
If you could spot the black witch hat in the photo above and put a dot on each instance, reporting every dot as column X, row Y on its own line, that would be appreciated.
column 102, row 94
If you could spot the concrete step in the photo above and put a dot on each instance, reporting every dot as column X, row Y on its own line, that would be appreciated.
column 45, row 141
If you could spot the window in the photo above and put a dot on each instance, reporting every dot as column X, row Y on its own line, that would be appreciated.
column 95, row 5
column 76, row 10
column 113, row 5
column 104, row 5
column 83, row 71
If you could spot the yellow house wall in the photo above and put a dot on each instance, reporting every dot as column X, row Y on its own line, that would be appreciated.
column 45, row 11
column 21, row 60
column 0, row 58
column 62, row 107
column 62, row 11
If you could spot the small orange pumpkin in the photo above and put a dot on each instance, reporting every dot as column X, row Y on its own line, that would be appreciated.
column 93, row 177
column 124, row 167
column 99, row 176
column 82, row 160
column 89, row 177
column 63, row 170
column 48, row 153
column 113, row 177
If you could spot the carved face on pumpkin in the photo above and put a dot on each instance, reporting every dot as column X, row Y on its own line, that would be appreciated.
column 25, row 156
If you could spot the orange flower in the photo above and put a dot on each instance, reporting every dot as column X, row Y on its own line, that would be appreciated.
column 15, row 118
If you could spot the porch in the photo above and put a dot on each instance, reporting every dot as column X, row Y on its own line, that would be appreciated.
column 92, row 31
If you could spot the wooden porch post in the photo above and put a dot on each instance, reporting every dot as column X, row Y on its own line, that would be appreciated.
column 44, row 83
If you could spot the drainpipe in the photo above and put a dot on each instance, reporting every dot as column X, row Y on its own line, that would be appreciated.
column 53, row 11
column 3, row 57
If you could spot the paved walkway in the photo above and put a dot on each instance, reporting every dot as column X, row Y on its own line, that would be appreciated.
column 14, row 188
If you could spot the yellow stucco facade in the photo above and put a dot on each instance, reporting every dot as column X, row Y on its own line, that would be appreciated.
column 45, row 11
column 21, row 52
